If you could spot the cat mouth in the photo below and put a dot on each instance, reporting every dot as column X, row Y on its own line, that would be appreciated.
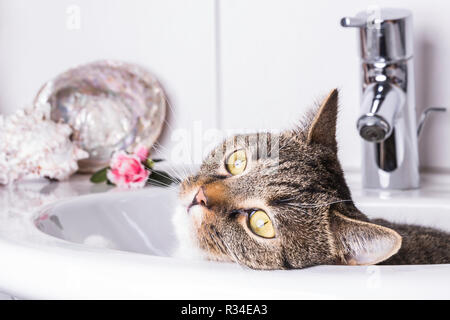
column 189, row 207
column 196, row 210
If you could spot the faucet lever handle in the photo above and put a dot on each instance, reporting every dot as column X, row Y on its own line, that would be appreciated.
column 425, row 115
column 351, row 22
column 385, row 33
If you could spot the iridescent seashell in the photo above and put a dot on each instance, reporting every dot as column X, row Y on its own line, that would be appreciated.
column 109, row 105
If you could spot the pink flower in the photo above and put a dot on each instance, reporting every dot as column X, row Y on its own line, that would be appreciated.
column 127, row 171
column 142, row 152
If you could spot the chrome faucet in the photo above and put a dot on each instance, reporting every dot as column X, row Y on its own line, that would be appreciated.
column 387, row 122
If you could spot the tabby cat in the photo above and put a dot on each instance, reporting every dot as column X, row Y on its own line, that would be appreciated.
column 292, row 209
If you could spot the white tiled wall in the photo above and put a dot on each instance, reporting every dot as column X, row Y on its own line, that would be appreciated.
column 269, row 59
column 175, row 39
column 278, row 56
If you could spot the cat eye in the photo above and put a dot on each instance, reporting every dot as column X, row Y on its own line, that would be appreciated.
column 261, row 225
column 236, row 162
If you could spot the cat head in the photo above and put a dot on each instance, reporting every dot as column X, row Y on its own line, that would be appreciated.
column 280, row 201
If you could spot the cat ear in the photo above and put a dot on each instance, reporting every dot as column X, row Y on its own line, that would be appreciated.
column 323, row 127
column 363, row 243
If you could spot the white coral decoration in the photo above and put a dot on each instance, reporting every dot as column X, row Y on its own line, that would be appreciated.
column 33, row 146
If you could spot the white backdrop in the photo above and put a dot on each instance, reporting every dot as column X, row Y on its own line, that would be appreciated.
column 228, row 64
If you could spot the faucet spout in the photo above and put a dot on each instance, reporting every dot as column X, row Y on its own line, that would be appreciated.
column 380, row 105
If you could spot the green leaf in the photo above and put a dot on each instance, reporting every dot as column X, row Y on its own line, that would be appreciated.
column 149, row 163
column 99, row 176
column 161, row 179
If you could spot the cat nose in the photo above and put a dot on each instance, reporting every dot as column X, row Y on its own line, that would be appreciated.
column 200, row 198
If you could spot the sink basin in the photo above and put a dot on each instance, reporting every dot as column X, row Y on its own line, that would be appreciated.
column 140, row 221
column 120, row 245
column 117, row 221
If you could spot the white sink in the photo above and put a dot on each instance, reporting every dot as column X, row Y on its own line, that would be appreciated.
column 119, row 245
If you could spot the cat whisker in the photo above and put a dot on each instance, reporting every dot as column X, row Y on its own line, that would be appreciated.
column 287, row 142
column 185, row 173
column 170, row 178
column 309, row 205
column 218, row 244
column 217, row 239
column 296, row 206
column 313, row 205
column 174, row 172
column 233, row 256
column 157, row 183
